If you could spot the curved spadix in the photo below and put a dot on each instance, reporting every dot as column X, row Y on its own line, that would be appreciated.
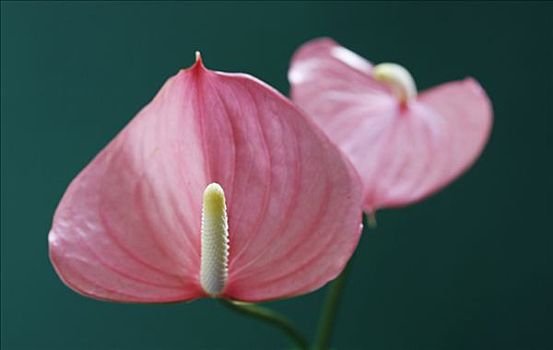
column 398, row 78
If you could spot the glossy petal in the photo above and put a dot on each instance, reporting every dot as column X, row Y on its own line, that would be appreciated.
column 403, row 153
column 128, row 227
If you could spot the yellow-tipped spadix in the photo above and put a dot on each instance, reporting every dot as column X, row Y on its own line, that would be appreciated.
column 215, row 242
column 398, row 78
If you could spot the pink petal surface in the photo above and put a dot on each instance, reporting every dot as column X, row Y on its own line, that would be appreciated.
column 128, row 227
column 402, row 153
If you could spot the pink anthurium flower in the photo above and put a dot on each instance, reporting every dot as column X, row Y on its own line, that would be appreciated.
column 404, row 145
column 219, row 187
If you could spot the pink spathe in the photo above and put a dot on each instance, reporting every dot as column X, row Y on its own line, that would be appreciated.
column 403, row 151
column 128, row 227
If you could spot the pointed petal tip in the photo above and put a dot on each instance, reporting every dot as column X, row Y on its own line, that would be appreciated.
column 198, row 63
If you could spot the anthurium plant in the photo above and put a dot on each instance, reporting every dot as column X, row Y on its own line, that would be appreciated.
column 223, row 188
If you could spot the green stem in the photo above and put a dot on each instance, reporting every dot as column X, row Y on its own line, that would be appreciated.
column 269, row 316
column 332, row 301
column 330, row 309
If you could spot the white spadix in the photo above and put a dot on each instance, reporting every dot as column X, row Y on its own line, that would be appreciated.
column 398, row 78
column 214, row 241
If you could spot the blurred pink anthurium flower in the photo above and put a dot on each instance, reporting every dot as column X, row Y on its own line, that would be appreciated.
column 404, row 145
column 219, row 187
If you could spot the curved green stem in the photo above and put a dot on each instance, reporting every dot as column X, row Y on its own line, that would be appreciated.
column 268, row 316
column 330, row 309
column 332, row 301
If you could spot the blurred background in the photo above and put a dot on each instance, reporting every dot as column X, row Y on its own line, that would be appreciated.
column 469, row 268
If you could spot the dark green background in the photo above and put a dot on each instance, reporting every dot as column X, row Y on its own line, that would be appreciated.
column 469, row 268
